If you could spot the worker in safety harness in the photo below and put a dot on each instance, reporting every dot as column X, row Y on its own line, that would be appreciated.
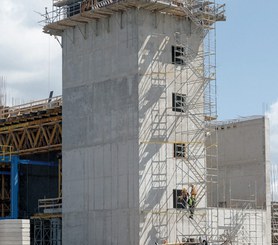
column 192, row 200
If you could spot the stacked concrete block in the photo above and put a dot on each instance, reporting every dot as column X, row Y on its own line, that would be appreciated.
column 15, row 232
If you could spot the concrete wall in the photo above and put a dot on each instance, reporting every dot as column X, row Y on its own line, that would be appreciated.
column 242, row 159
column 244, row 166
column 100, row 132
column 239, row 226
column 114, row 104
column 160, row 127
column 119, row 128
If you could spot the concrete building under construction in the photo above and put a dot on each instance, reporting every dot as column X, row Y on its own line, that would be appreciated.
column 138, row 88
column 139, row 111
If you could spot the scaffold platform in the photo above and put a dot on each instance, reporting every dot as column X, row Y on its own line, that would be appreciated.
column 67, row 14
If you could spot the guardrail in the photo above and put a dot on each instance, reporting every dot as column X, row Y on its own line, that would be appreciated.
column 7, row 112
column 50, row 204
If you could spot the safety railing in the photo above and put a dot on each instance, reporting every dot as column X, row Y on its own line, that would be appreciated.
column 49, row 205
column 195, row 9
column 14, row 111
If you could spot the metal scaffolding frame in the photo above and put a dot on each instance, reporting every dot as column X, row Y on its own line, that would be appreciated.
column 274, row 222
column 47, row 224
column 182, row 128
column 47, row 231
column 274, row 205
column 193, row 77
column 9, row 184
column 32, row 127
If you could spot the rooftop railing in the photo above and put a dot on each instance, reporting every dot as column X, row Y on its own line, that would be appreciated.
column 68, row 8
column 7, row 112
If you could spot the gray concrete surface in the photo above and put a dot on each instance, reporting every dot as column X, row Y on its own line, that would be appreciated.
column 108, row 103
column 244, row 167
column 100, row 133
column 243, row 161
column 119, row 169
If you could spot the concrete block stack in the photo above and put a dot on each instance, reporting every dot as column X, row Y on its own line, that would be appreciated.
column 15, row 232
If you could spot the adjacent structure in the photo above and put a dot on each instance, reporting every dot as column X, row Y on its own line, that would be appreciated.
column 244, row 177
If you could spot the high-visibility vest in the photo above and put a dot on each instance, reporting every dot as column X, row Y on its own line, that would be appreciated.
column 190, row 201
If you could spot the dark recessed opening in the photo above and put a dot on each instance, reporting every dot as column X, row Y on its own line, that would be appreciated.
column 179, row 150
column 178, row 203
column 177, row 55
column 178, row 102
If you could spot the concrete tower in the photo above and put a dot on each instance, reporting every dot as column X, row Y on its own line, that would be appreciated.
column 135, row 78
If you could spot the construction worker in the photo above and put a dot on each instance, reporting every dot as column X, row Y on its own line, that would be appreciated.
column 193, row 191
column 191, row 205
column 192, row 200
column 183, row 198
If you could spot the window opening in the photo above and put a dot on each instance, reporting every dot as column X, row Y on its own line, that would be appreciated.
column 178, row 102
column 180, row 199
column 177, row 54
column 179, row 150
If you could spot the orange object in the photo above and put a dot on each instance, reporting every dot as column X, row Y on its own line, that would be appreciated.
column 193, row 191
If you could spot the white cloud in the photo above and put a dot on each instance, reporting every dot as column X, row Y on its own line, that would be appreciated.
column 29, row 59
column 273, row 119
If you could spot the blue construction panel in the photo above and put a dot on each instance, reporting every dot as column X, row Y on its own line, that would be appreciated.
column 38, row 163
column 14, row 187
column 5, row 173
column 6, row 159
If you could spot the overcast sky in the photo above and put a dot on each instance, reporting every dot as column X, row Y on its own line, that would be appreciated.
column 30, row 61
column 247, row 58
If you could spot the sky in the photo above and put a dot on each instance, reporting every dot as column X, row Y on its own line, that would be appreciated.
column 30, row 61
column 247, row 58
column 247, row 64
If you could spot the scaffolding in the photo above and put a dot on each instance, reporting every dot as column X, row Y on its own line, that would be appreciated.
column 274, row 206
column 32, row 127
column 178, row 122
column 274, row 223
column 72, row 13
column 186, row 128
column 194, row 79
column 47, row 231
column 178, row 140
column 8, row 183
column 47, row 224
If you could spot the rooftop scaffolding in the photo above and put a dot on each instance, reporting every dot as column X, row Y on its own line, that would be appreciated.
column 70, row 13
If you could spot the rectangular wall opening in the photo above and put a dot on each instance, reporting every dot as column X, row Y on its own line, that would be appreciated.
column 178, row 102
